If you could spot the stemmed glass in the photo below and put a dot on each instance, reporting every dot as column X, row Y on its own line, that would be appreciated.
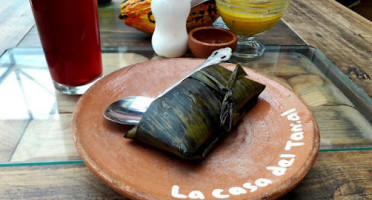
column 246, row 18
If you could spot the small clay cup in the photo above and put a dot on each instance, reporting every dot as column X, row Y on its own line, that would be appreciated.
column 204, row 40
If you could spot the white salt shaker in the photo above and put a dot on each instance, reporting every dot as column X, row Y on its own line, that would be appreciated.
column 170, row 36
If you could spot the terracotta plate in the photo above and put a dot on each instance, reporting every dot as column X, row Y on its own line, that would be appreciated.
column 270, row 152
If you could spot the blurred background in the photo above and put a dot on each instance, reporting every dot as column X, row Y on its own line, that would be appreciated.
column 362, row 7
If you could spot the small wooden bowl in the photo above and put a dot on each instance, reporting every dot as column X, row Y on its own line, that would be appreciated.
column 204, row 40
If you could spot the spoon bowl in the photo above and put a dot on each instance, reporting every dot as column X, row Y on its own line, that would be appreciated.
column 128, row 110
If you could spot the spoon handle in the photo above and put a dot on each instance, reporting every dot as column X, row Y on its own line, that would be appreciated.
column 197, row 2
column 216, row 57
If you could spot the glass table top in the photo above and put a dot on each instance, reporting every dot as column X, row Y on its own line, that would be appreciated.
column 35, row 120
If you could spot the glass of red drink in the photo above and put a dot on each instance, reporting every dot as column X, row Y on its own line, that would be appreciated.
column 69, row 33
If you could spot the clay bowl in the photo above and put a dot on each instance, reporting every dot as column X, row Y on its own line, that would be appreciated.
column 204, row 40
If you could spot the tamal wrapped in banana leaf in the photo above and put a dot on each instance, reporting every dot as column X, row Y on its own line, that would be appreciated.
column 192, row 117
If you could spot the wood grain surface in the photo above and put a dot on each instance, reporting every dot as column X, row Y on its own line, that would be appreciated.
column 16, row 20
column 344, row 36
column 335, row 175
column 11, row 132
column 341, row 124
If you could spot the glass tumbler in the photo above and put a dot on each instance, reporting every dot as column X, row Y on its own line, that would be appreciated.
column 69, row 33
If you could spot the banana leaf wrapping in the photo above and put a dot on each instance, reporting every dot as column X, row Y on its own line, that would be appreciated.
column 192, row 117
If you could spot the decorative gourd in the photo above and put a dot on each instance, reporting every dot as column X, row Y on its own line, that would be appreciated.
column 138, row 14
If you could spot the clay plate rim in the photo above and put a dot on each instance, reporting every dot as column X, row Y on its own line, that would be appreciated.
column 130, row 192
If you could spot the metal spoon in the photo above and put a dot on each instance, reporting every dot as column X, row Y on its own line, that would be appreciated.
column 130, row 110
column 197, row 2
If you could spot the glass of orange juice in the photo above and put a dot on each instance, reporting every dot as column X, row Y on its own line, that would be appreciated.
column 247, row 18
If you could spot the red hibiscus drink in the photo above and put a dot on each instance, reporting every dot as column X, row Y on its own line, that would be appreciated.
column 69, row 33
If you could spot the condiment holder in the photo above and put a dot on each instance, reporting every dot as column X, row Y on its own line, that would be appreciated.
column 170, row 35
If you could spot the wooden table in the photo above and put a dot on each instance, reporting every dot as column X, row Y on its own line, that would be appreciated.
column 339, row 173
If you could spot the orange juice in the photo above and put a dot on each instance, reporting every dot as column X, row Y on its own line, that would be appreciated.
column 248, row 19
